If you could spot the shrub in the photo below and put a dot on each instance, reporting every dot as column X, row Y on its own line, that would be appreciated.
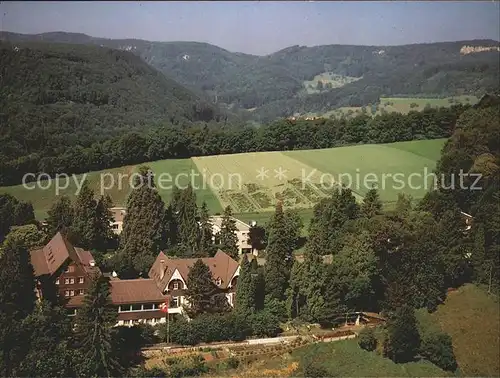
column 437, row 348
column 403, row 339
column 367, row 339
column 265, row 324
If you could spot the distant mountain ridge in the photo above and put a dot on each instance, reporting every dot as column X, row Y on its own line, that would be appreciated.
column 273, row 85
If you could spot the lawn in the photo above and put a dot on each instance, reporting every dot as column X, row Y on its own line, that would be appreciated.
column 42, row 199
column 298, row 178
column 181, row 172
column 336, row 81
column 389, row 166
column 472, row 318
column 347, row 359
column 398, row 105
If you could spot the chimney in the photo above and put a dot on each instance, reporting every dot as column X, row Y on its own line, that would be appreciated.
column 162, row 269
column 92, row 263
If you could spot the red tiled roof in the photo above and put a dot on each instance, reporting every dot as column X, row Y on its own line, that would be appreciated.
column 221, row 266
column 135, row 291
column 58, row 250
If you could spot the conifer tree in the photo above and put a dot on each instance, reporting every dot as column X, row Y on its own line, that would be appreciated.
column 330, row 216
column 60, row 216
column 48, row 332
column 17, row 301
column 83, row 230
column 279, row 256
column 202, row 293
column 143, row 228
column 228, row 240
column 94, row 323
column 205, row 239
column 102, row 223
column 170, row 227
column 245, row 290
column 186, row 219
column 295, row 297
column 403, row 340
column 371, row 205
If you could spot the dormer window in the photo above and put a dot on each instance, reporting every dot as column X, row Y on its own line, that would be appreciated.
column 218, row 282
column 176, row 286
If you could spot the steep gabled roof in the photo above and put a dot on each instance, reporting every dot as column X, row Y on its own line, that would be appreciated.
column 221, row 266
column 49, row 259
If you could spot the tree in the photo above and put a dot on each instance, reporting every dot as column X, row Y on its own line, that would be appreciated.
column 28, row 235
column 367, row 340
column 228, row 240
column 17, row 301
column 330, row 217
column 143, row 232
column 371, row 205
column 48, row 332
column 245, row 290
column 102, row 223
column 94, row 322
column 60, row 216
column 279, row 256
column 437, row 348
column 403, row 204
column 403, row 340
column 83, row 230
column 205, row 239
column 13, row 213
column 202, row 294
column 187, row 225
column 257, row 237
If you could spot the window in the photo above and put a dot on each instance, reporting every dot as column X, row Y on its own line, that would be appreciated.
column 176, row 285
column 80, row 280
column 81, row 292
column 71, row 293
column 72, row 281
column 218, row 282
column 57, row 281
column 70, row 269
column 66, row 293
column 127, row 322
column 115, row 227
column 123, row 308
column 155, row 306
column 66, row 281
column 175, row 302
column 136, row 307
column 150, row 321
column 147, row 307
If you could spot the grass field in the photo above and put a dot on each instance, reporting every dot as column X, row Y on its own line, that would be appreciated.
column 336, row 81
column 298, row 178
column 401, row 105
column 472, row 318
column 364, row 162
column 347, row 359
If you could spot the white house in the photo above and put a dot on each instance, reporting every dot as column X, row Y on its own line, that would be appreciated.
column 243, row 232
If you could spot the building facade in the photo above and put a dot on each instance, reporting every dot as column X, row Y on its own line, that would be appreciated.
column 170, row 276
column 67, row 271
column 118, row 214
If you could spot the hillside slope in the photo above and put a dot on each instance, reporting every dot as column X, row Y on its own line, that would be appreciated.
column 54, row 97
column 274, row 84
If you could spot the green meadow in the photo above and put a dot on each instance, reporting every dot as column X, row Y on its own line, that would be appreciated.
column 251, row 183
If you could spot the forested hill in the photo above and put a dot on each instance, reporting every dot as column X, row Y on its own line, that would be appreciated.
column 58, row 97
column 276, row 85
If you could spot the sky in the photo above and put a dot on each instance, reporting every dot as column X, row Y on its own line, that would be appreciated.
column 261, row 27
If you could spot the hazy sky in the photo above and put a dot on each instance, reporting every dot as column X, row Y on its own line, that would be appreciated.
column 261, row 27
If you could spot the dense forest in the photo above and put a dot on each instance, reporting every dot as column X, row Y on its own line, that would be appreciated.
column 274, row 84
